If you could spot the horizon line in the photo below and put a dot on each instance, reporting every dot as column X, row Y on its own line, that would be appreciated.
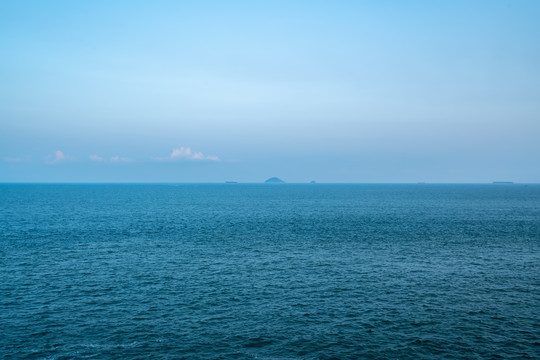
column 264, row 183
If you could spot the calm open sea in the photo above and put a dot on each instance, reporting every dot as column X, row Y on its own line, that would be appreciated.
column 252, row 271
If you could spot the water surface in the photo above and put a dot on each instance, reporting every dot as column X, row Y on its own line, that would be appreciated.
column 245, row 271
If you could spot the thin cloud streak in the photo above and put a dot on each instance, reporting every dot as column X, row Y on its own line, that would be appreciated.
column 95, row 157
column 58, row 157
column 119, row 159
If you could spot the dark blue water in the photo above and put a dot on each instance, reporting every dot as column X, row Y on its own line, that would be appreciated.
column 270, row 271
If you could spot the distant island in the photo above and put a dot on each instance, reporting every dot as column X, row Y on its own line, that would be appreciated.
column 274, row 180
column 503, row 182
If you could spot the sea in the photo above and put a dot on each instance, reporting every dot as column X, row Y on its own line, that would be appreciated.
column 260, row 271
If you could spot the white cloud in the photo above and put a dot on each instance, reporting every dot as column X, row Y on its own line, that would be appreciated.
column 181, row 153
column 57, row 157
column 13, row 159
column 118, row 159
column 185, row 153
column 95, row 157
column 198, row 156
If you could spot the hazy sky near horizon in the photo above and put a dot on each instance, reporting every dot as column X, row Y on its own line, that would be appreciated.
column 341, row 91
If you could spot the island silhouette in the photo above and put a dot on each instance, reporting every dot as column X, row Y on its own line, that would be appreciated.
column 274, row 180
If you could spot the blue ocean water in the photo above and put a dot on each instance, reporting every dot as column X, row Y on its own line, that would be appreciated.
column 252, row 271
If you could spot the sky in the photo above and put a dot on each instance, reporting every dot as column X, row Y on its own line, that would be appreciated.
column 210, row 91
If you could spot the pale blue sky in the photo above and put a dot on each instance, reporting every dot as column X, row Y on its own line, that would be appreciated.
column 336, row 91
